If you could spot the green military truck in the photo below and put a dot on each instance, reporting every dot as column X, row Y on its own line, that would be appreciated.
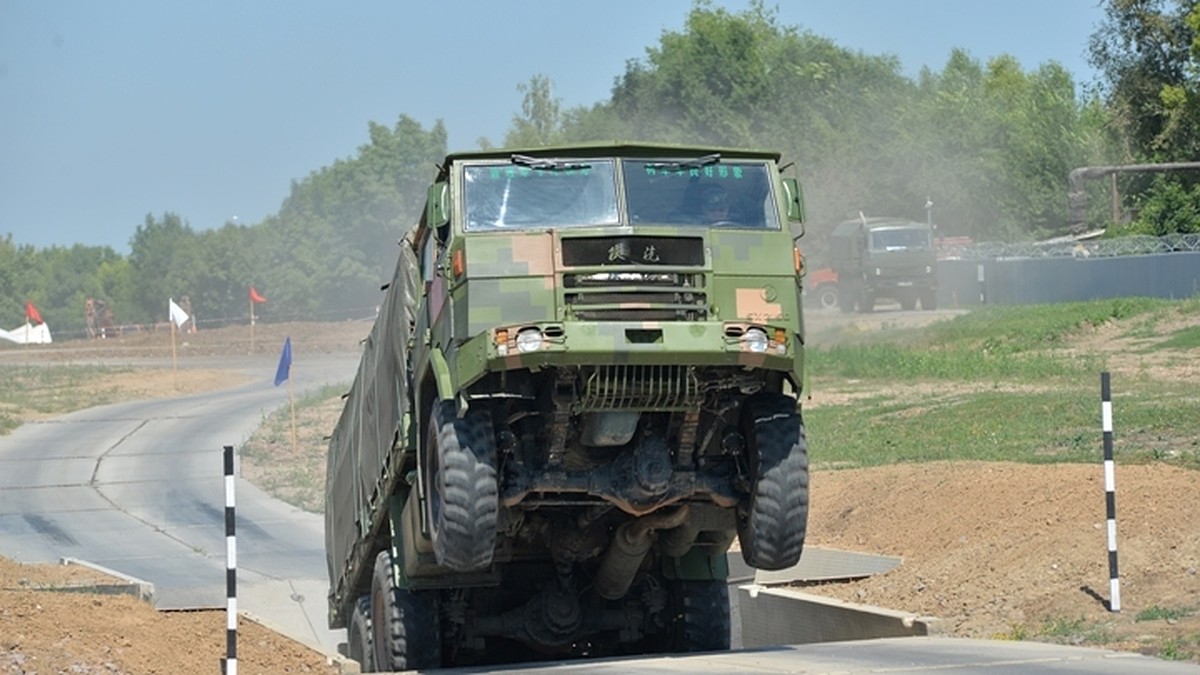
column 890, row 258
column 576, row 395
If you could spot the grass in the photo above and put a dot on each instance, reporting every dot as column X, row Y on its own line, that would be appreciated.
column 44, row 391
column 1075, row 631
column 1061, row 424
column 1156, row 613
column 999, row 385
column 1186, row 338
column 1174, row 650
column 297, row 478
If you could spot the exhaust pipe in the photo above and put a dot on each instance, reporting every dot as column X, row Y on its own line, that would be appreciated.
column 628, row 549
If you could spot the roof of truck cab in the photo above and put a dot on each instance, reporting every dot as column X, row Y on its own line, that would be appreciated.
column 847, row 227
column 616, row 148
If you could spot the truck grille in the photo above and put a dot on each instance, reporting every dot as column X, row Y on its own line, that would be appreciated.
column 636, row 296
column 659, row 388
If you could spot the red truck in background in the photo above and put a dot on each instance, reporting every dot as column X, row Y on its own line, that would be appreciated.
column 820, row 288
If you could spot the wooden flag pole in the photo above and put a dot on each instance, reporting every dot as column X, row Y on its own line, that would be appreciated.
column 174, row 367
column 292, row 400
column 251, row 325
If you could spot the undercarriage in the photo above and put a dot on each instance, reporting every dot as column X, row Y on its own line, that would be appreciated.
column 545, row 528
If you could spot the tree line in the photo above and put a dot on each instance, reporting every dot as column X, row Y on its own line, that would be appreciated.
column 984, row 146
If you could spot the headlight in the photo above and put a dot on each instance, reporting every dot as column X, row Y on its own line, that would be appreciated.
column 755, row 340
column 529, row 340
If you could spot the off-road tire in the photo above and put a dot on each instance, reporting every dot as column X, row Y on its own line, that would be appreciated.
column 463, row 494
column 928, row 300
column 773, row 517
column 360, row 640
column 827, row 296
column 701, row 614
column 406, row 631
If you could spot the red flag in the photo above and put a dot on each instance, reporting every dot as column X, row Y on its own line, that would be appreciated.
column 255, row 297
column 32, row 315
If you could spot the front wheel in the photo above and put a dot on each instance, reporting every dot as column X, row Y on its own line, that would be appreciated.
column 827, row 296
column 773, row 517
column 463, row 493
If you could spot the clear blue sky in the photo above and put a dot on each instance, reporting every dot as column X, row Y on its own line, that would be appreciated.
column 110, row 111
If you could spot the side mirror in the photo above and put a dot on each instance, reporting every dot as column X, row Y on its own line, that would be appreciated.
column 437, row 205
column 795, row 204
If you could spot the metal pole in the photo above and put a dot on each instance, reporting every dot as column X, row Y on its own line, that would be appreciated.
column 229, row 664
column 1110, row 496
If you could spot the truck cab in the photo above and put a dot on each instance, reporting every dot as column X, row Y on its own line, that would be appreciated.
column 884, row 258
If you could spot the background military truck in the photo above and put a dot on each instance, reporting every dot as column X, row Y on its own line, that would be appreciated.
column 889, row 258
column 571, row 403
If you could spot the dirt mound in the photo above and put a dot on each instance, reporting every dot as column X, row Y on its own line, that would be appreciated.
column 1015, row 551
column 55, row 631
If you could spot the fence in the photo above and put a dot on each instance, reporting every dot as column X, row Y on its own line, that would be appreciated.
column 1050, row 276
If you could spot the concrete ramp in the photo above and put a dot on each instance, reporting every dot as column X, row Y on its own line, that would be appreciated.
column 771, row 613
column 816, row 564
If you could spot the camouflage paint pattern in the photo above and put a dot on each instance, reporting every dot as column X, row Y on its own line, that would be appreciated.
column 485, row 285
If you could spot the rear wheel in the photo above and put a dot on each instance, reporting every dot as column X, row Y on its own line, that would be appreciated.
column 406, row 631
column 360, row 642
column 929, row 300
column 847, row 293
column 463, row 494
column 773, row 517
column 701, row 612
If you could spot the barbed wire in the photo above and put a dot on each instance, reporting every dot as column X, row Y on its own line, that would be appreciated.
column 1091, row 248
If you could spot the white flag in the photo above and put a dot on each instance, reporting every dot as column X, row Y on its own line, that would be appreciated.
column 179, row 316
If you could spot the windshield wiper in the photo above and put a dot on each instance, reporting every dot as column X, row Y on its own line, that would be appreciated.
column 698, row 163
column 548, row 164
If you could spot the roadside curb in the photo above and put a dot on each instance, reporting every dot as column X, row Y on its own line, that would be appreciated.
column 123, row 584
column 785, row 616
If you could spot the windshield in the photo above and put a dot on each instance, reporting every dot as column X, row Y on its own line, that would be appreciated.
column 900, row 239
column 706, row 191
column 541, row 195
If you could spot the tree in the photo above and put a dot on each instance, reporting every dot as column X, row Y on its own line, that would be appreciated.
column 540, row 121
column 365, row 204
column 164, row 259
column 1148, row 52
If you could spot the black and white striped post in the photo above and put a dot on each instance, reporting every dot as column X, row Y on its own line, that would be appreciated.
column 229, row 664
column 1110, row 494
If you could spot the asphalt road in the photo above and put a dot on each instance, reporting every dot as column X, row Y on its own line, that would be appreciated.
column 139, row 488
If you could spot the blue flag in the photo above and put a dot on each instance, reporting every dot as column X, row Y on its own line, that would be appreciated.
column 285, row 363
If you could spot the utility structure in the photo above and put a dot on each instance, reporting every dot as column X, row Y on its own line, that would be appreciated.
column 1077, row 195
